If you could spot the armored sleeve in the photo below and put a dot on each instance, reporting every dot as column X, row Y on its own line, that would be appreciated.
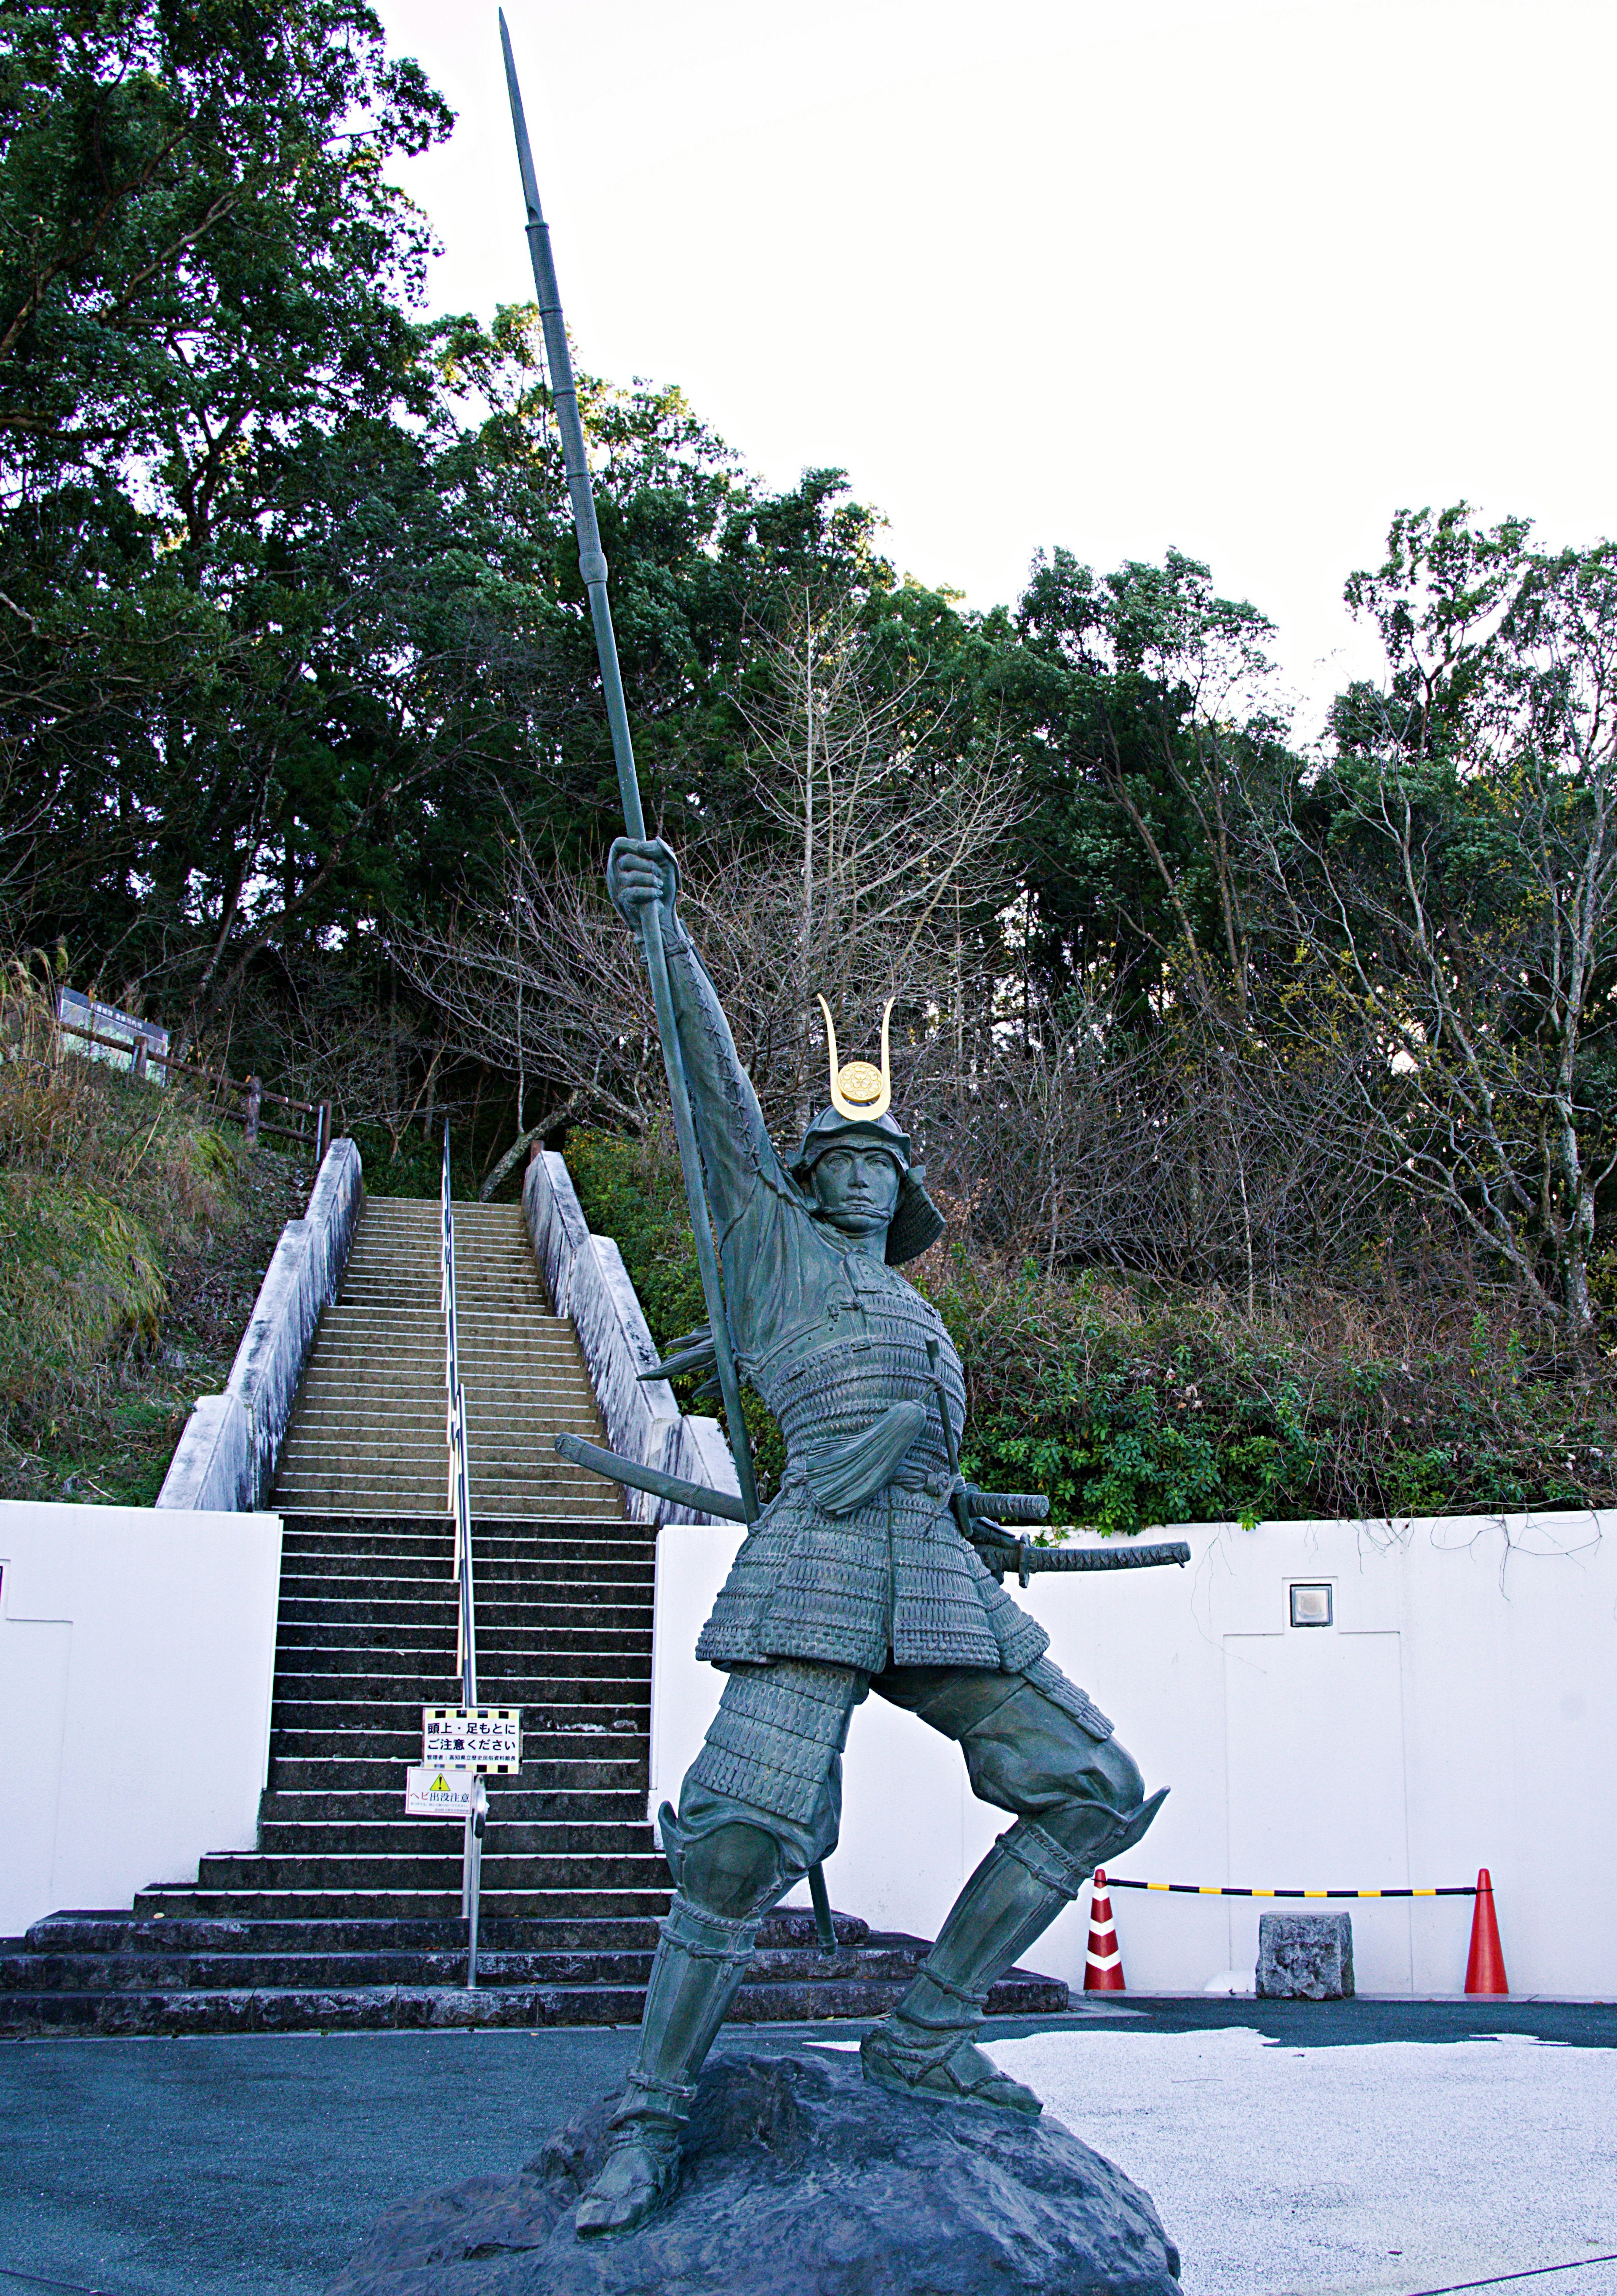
column 742, row 1172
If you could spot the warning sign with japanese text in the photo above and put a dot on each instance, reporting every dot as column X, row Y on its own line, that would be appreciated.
column 487, row 1738
column 430, row 1792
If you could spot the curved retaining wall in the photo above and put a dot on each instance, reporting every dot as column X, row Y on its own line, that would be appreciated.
column 589, row 1283
column 226, row 1460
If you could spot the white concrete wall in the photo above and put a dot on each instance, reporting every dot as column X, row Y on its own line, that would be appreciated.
column 137, row 1654
column 228, row 1451
column 589, row 1283
column 1462, row 1711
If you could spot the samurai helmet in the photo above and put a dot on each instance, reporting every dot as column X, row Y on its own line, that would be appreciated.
column 859, row 1090
column 861, row 1095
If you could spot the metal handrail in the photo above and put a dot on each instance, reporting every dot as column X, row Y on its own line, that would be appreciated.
column 460, row 1510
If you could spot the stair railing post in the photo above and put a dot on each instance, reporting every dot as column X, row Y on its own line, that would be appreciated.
column 477, row 1818
column 460, row 1508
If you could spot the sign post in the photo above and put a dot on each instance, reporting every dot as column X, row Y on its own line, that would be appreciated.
column 459, row 1746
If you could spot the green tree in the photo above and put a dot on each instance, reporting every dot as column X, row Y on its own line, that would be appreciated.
column 203, row 276
column 1451, row 882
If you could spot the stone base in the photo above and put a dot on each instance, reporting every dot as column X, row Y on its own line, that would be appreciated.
column 799, row 2176
column 1305, row 1957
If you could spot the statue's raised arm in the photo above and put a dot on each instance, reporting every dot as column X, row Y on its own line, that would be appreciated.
column 737, row 1155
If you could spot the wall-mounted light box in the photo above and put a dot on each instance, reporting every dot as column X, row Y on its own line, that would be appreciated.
column 1311, row 1604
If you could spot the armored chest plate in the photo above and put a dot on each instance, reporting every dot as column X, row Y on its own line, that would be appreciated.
column 866, row 1348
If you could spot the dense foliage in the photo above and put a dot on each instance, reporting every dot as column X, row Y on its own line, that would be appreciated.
column 302, row 749
column 1134, row 1411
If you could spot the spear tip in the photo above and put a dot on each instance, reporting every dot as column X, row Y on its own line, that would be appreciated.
column 530, row 188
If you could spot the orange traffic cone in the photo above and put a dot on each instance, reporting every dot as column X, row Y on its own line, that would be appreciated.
column 1103, row 1963
column 1485, row 1969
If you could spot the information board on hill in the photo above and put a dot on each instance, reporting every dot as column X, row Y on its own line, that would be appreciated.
column 487, row 1738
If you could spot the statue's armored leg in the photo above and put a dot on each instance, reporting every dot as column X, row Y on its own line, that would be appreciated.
column 701, row 1960
column 776, row 1739
column 1080, row 1801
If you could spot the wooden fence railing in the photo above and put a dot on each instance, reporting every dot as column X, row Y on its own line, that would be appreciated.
column 145, row 1057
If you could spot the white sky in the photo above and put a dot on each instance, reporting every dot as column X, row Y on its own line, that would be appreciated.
column 1240, row 277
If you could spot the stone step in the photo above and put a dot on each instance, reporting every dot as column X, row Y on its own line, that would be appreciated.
column 153, row 1970
column 561, row 1779
column 336, row 1655
column 330, row 1727
column 397, row 1836
column 601, row 1567
column 255, row 1872
column 551, row 1484
column 490, row 1292
column 363, row 1414
column 508, row 1371
column 247, row 1963
column 426, row 1500
column 559, row 1566
column 495, row 1346
column 511, row 1654
column 272, row 2009
column 343, row 1534
column 357, row 1455
column 363, row 1408
column 392, row 1903
column 398, row 1704
column 511, row 1802
column 335, row 1729
column 418, row 1579
column 312, row 1622
column 787, row 1927
column 411, row 1579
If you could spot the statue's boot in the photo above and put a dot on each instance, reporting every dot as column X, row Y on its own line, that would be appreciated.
column 701, row 1960
column 924, row 2048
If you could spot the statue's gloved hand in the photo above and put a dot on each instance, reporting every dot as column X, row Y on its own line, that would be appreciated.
column 641, row 871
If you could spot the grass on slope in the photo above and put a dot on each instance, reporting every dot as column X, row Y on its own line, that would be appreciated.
column 134, row 1234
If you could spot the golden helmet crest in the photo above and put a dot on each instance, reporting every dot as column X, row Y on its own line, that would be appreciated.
column 860, row 1089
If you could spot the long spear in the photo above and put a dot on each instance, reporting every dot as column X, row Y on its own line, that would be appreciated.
column 592, row 566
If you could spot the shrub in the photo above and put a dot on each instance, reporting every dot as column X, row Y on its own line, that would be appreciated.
column 1133, row 1406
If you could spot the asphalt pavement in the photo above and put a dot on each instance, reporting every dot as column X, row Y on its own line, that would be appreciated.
column 1340, row 2149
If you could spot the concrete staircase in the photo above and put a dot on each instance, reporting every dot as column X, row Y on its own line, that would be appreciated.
column 367, row 1434
column 346, row 1914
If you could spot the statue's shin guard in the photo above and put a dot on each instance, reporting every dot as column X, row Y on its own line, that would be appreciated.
column 1012, row 1898
column 701, row 1960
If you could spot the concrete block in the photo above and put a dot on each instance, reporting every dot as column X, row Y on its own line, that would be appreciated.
column 641, row 1418
column 1305, row 1957
column 212, row 1466
column 703, row 1456
column 556, row 1223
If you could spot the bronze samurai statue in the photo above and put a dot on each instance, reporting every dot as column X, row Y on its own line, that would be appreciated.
column 854, row 1577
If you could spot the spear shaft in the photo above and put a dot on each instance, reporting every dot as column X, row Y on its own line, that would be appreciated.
column 592, row 567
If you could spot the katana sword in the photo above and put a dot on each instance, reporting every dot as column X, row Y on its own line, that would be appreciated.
column 998, row 1547
column 592, row 567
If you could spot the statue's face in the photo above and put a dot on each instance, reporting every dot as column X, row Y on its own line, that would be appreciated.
column 857, row 1189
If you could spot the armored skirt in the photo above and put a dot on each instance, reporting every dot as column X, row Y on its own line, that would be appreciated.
column 857, row 1561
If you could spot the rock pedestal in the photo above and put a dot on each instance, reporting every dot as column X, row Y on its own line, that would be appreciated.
column 799, row 2178
column 1305, row 1957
